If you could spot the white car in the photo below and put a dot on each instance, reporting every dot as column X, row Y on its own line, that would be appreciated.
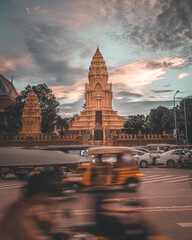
column 143, row 158
column 173, row 157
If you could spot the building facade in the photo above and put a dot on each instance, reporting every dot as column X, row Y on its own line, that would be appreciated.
column 98, row 118
column 8, row 94
column 31, row 117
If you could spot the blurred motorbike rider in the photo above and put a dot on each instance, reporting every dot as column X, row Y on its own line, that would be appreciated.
column 24, row 220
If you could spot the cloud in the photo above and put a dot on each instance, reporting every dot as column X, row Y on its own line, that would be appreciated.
column 69, row 109
column 134, row 79
column 139, row 107
column 139, row 75
column 162, row 91
column 72, row 92
column 9, row 64
column 52, row 49
column 38, row 9
column 157, row 25
column 152, row 25
column 182, row 75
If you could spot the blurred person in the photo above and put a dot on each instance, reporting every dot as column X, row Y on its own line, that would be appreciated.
column 24, row 219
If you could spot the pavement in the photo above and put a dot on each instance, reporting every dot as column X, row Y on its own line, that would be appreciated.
column 165, row 194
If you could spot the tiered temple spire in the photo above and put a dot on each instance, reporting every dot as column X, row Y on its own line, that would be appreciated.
column 31, row 118
column 98, row 92
column 98, row 115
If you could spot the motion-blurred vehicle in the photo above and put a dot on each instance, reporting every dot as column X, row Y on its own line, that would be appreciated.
column 21, row 162
column 143, row 158
column 111, row 166
column 80, row 150
column 174, row 158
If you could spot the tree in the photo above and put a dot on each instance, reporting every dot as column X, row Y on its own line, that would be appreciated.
column 48, row 105
column 63, row 124
column 181, row 119
column 135, row 124
column 160, row 119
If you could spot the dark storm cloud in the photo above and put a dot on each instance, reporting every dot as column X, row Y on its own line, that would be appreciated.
column 162, row 91
column 151, row 24
column 168, row 29
column 140, row 107
column 69, row 109
column 51, row 47
column 164, row 25
column 155, row 63
column 128, row 94
column 50, row 54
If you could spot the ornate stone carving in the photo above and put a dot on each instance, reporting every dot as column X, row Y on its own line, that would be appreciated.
column 31, row 117
column 98, row 97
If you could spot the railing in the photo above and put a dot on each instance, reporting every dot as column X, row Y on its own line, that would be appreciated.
column 120, row 139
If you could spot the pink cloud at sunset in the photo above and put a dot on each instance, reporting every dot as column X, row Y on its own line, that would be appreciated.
column 140, row 74
column 73, row 92
column 10, row 64
column 182, row 75
column 134, row 77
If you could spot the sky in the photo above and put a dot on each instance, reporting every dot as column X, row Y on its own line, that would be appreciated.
column 146, row 45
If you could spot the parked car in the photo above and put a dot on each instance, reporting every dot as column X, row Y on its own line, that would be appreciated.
column 143, row 158
column 142, row 149
column 157, row 149
column 174, row 158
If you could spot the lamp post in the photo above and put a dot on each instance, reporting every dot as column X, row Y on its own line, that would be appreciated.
column 175, row 119
column 185, row 117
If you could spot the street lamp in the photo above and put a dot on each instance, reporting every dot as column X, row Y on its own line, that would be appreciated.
column 175, row 119
column 185, row 117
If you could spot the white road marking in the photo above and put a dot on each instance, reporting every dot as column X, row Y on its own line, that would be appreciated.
column 8, row 185
column 184, row 225
column 180, row 180
column 151, row 176
column 163, row 178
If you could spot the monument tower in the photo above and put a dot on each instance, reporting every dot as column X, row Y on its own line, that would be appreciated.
column 98, row 115
column 31, row 118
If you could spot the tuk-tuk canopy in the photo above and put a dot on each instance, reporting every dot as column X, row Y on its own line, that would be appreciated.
column 17, row 157
column 108, row 150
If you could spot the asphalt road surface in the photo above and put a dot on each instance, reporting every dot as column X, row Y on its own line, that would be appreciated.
column 166, row 195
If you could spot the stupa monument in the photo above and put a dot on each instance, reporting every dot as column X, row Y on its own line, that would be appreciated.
column 31, row 117
column 98, row 116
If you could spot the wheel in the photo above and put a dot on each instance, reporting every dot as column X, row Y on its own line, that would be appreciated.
column 3, row 175
column 170, row 163
column 132, row 185
column 143, row 164
column 76, row 187
column 154, row 161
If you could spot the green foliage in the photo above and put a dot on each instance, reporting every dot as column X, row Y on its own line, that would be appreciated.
column 162, row 119
column 181, row 119
column 135, row 124
column 63, row 124
column 48, row 104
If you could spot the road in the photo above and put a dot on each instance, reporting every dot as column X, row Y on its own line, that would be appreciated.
column 166, row 194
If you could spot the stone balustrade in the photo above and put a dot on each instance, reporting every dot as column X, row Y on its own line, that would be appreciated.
column 120, row 139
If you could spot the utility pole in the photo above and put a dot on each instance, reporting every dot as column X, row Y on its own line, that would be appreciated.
column 175, row 132
column 185, row 117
